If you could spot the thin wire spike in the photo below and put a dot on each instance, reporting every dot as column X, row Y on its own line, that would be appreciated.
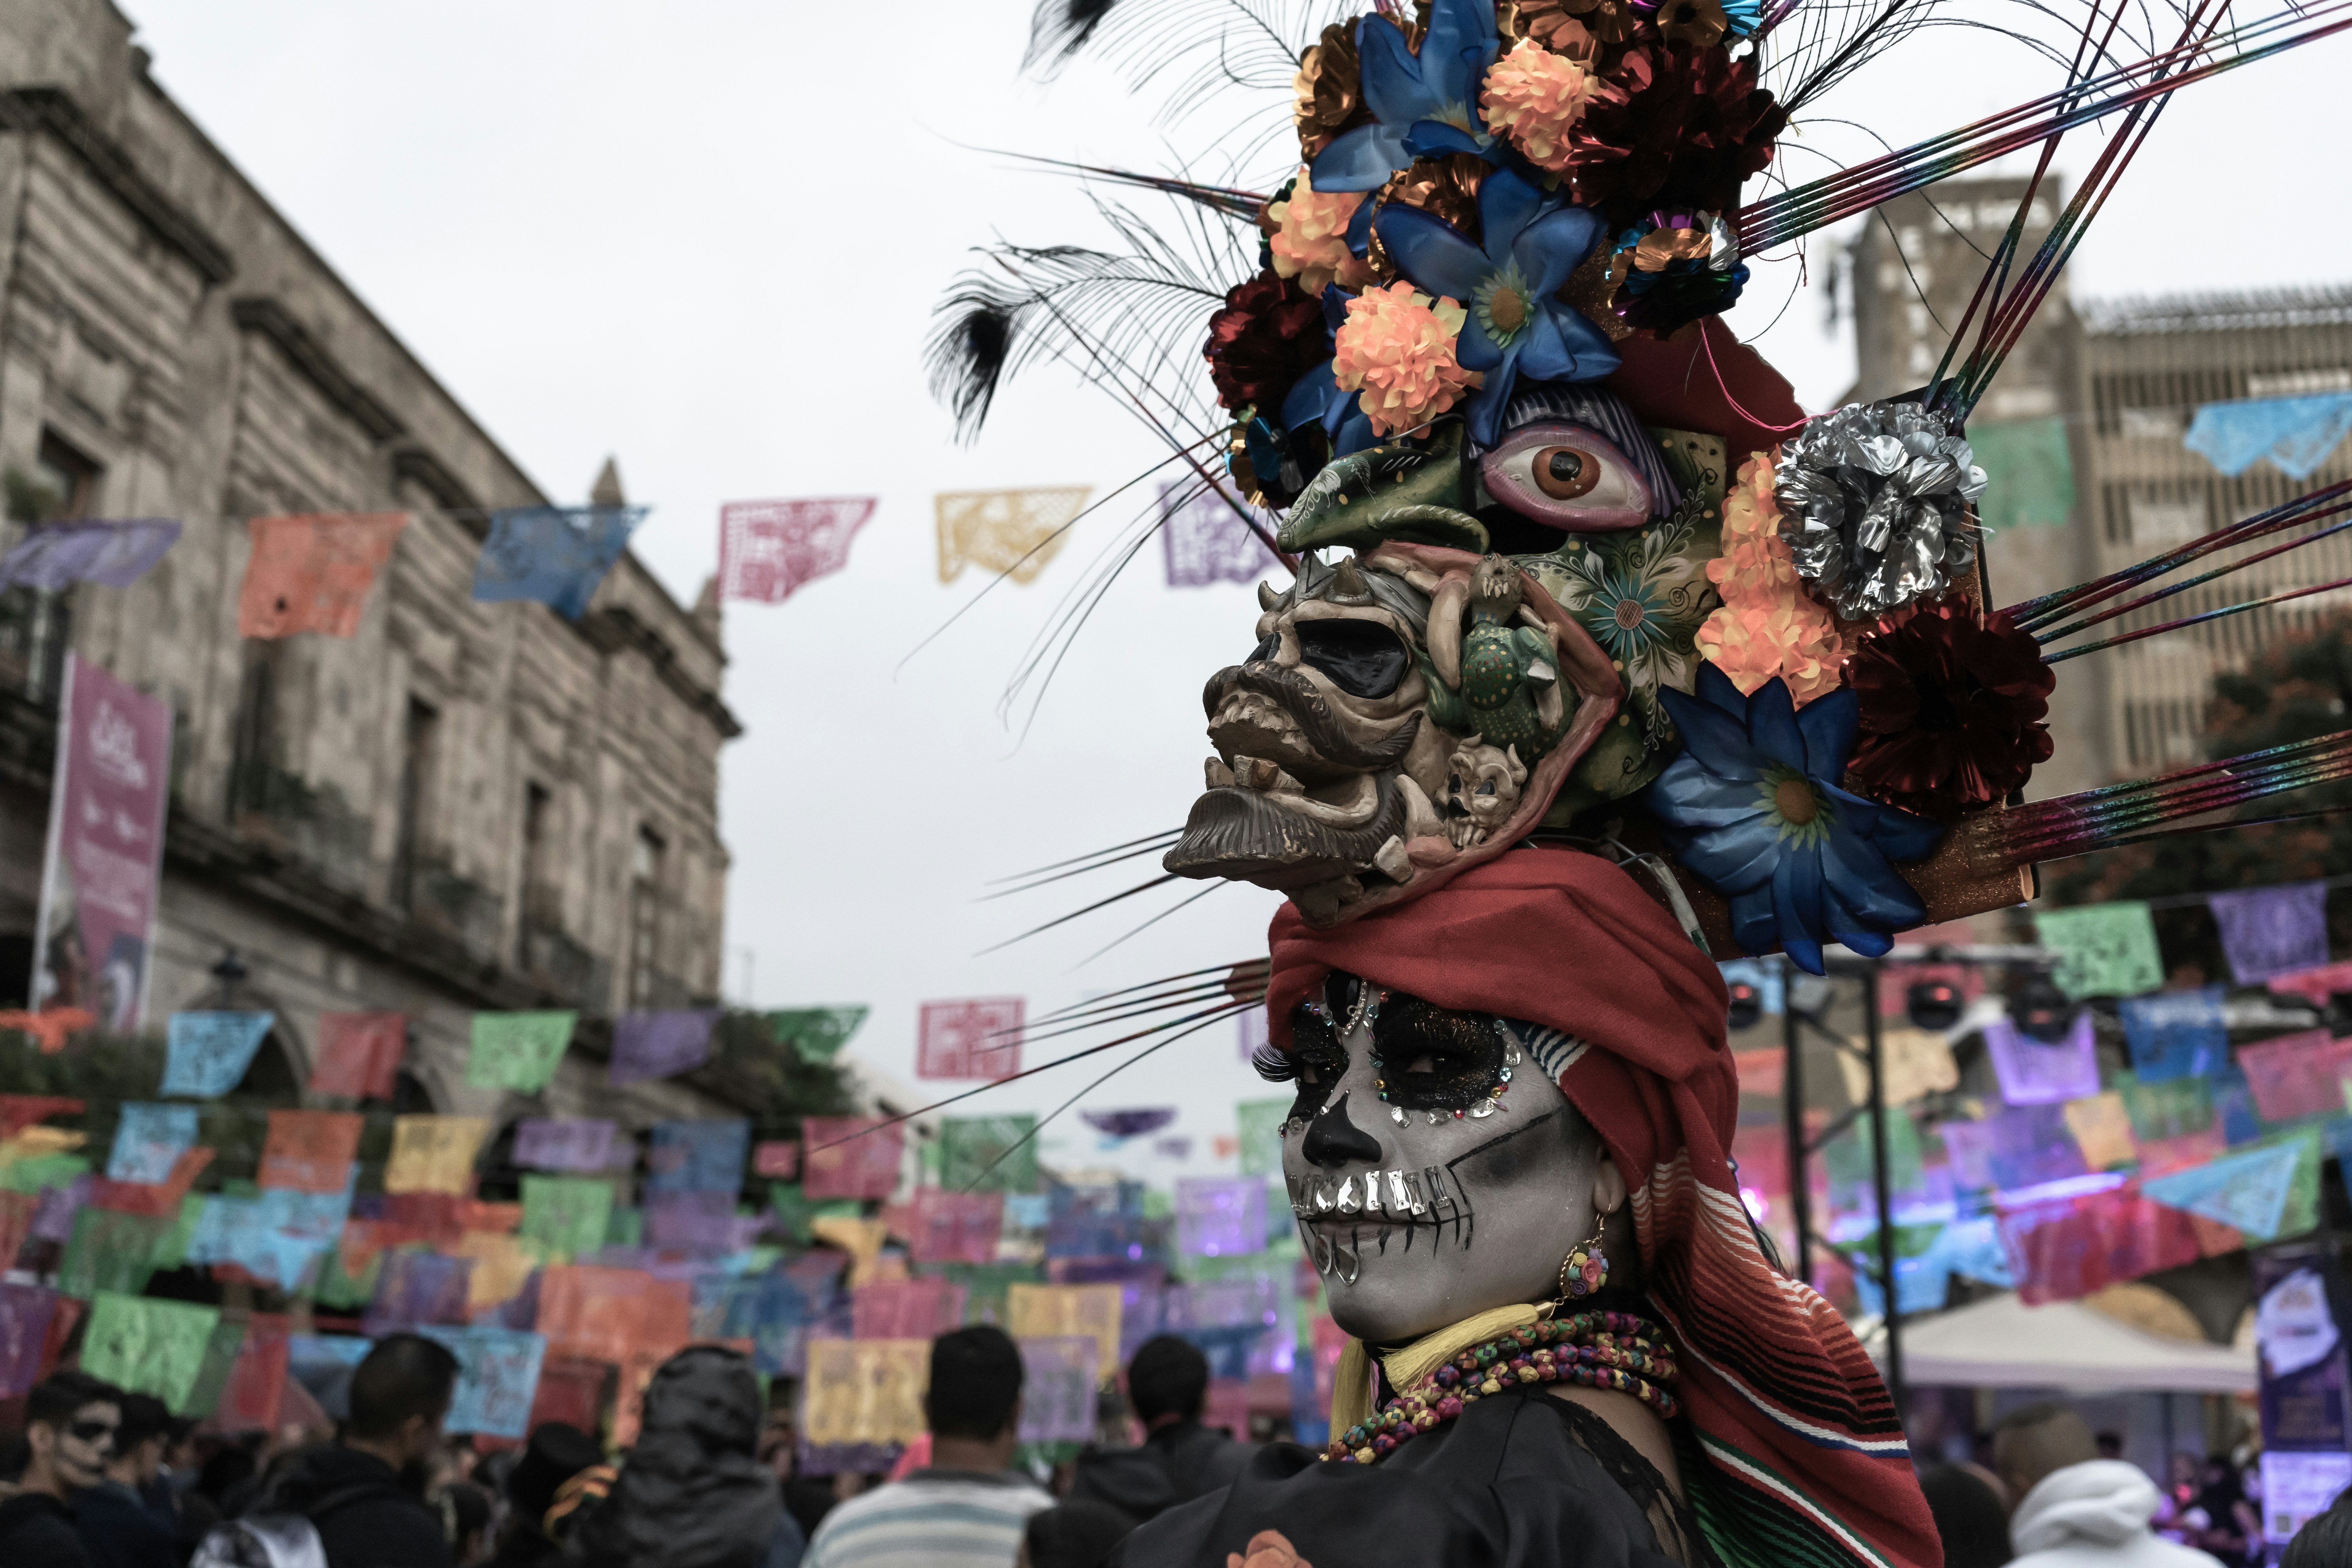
column 2214, row 787
column 1776, row 219
column 2197, row 582
column 2175, row 812
column 994, row 583
column 2029, row 614
column 2282, row 596
column 1014, row 1078
column 2182, row 799
column 2171, row 833
column 1074, row 914
column 1153, row 847
column 1100, row 1009
column 1081, row 1027
column 2101, row 808
column 1041, row 1123
column 1246, row 963
column 1183, row 903
column 1160, row 837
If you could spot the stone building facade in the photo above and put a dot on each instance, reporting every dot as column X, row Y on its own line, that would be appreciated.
column 465, row 807
column 2125, row 377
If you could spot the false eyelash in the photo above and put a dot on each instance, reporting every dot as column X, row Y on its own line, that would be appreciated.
column 1272, row 1065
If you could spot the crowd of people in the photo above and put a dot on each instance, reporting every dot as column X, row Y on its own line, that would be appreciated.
column 2055, row 1495
column 101, row 1477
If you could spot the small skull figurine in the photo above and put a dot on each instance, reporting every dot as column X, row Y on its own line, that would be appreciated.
column 1483, row 790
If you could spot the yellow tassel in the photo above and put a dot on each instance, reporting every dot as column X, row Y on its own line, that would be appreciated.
column 1423, row 1356
column 1352, row 1387
column 1352, row 1397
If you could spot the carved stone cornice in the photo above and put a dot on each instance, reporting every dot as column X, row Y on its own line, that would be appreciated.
column 266, row 317
column 51, row 110
column 616, row 627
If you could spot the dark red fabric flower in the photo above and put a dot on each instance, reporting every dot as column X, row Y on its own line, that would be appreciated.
column 1683, row 127
column 1952, row 712
column 1267, row 335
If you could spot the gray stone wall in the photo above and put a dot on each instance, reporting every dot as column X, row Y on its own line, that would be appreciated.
column 161, row 322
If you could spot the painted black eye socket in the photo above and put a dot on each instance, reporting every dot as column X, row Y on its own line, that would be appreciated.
column 1427, row 1057
column 1316, row 1063
column 1362, row 658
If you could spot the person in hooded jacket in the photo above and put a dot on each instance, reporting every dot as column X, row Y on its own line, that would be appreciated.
column 2076, row 1510
column 1167, row 1385
column 692, row 1494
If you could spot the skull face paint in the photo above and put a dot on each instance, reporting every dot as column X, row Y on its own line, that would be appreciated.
column 1425, row 1184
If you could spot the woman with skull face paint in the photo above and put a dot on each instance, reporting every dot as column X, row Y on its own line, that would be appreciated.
column 1508, row 1161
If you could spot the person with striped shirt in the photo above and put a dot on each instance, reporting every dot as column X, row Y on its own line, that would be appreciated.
column 967, row 1508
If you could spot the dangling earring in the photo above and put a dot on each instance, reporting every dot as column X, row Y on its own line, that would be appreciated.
column 1586, row 1267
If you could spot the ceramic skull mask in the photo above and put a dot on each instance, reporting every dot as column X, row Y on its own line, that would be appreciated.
column 1487, row 662
column 1326, row 761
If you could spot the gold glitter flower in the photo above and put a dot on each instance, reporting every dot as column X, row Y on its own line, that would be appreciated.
column 1571, row 27
column 1444, row 187
column 1694, row 24
column 1327, row 94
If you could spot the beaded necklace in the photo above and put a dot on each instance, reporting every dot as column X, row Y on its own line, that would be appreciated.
column 1598, row 1350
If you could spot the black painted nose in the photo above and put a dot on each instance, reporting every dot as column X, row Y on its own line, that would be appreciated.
column 1333, row 1140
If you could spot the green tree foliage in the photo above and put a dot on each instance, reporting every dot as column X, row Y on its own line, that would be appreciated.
column 777, row 1084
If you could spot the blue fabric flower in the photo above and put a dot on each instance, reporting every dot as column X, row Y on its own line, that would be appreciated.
column 1752, row 806
column 1424, row 105
column 1510, row 288
column 1317, row 398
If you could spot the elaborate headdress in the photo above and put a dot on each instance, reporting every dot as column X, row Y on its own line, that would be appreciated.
column 1570, row 565
column 1606, row 579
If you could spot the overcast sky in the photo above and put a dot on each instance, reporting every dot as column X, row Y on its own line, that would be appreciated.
column 704, row 238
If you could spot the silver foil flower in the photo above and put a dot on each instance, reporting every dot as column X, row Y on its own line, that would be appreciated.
column 1875, row 506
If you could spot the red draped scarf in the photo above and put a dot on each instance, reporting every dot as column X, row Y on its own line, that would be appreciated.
column 1808, row 1463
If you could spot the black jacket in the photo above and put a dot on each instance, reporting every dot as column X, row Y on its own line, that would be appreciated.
column 692, row 1494
column 370, row 1519
column 119, row 1530
column 37, row 1530
column 526, row 1546
column 1176, row 1464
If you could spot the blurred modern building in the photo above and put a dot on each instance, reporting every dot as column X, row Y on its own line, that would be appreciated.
column 2082, row 434
column 464, row 806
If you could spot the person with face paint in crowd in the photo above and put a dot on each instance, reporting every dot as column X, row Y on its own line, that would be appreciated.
column 118, row 1529
column 70, row 1422
column 1508, row 1159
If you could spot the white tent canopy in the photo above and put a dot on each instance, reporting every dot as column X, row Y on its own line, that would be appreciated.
column 2002, row 1343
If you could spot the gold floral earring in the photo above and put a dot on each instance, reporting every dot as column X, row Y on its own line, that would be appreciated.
column 1585, row 1269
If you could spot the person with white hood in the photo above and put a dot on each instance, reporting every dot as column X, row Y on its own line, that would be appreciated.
column 2076, row 1510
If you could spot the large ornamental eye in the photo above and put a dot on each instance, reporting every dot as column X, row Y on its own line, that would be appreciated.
column 1567, row 477
column 1362, row 658
column 1565, row 473
column 1431, row 1058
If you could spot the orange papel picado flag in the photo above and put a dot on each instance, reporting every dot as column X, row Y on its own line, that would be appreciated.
column 313, row 572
